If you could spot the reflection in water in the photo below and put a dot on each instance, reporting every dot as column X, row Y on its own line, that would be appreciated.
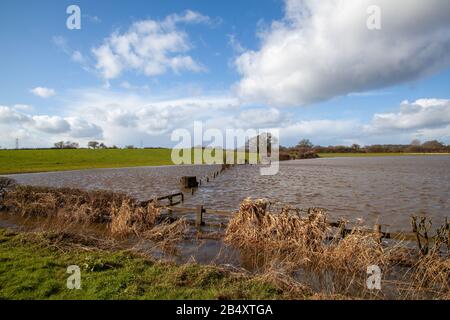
column 386, row 190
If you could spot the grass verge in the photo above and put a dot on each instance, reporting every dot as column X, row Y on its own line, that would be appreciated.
column 33, row 266
column 46, row 160
column 23, row 161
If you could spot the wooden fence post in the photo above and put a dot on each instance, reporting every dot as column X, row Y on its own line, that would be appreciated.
column 342, row 230
column 378, row 233
column 199, row 216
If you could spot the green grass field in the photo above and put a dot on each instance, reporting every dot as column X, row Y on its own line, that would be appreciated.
column 33, row 266
column 26, row 161
column 22, row 161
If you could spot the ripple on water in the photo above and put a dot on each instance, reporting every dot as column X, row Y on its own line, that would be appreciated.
column 385, row 189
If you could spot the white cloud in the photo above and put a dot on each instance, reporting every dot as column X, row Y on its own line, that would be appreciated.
column 188, row 16
column 23, row 107
column 235, row 44
column 93, row 19
column 421, row 114
column 146, row 114
column 80, row 128
column 126, row 117
column 42, row 130
column 43, row 92
column 425, row 119
column 323, row 131
column 50, row 124
column 10, row 115
column 260, row 118
column 150, row 47
column 322, row 49
column 77, row 56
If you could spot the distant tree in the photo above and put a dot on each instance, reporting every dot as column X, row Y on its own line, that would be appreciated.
column 433, row 144
column 71, row 145
column 66, row 145
column 102, row 146
column 356, row 147
column 93, row 144
column 129, row 147
column 59, row 145
column 305, row 143
column 416, row 142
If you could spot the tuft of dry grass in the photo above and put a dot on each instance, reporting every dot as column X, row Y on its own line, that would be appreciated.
column 254, row 227
column 131, row 218
column 69, row 204
column 429, row 277
column 337, row 263
column 122, row 215
column 307, row 240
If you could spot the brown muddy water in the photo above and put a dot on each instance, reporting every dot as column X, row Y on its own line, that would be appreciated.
column 385, row 190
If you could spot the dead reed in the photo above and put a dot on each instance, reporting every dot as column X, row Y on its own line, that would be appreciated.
column 122, row 215
column 68, row 204
column 131, row 218
column 336, row 261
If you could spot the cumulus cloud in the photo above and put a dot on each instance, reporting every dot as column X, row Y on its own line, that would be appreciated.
column 124, row 118
column 421, row 114
column 144, row 113
column 322, row 49
column 424, row 118
column 50, row 124
column 42, row 130
column 80, row 128
column 43, row 92
column 10, row 115
column 150, row 47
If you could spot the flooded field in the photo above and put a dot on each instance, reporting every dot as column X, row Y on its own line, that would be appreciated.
column 387, row 190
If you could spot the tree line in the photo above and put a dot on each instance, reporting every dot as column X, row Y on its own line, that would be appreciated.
column 306, row 149
column 90, row 145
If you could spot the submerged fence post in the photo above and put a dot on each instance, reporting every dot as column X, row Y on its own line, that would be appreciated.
column 199, row 216
column 378, row 233
column 342, row 230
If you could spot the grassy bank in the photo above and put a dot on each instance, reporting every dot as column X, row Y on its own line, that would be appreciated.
column 33, row 266
column 22, row 161
column 381, row 154
column 45, row 160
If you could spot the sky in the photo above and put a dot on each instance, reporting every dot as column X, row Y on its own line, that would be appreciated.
column 138, row 70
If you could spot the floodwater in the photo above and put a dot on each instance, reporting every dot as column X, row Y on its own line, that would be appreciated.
column 385, row 190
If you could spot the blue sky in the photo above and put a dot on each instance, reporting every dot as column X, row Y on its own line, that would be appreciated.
column 313, row 70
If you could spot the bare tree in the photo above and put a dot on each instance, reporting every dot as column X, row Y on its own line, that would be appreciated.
column 59, row 145
column 305, row 143
column 93, row 144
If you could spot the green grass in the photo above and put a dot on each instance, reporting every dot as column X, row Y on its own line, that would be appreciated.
column 26, row 161
column 32, row 267
column 22, row 161
column 381, row 154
